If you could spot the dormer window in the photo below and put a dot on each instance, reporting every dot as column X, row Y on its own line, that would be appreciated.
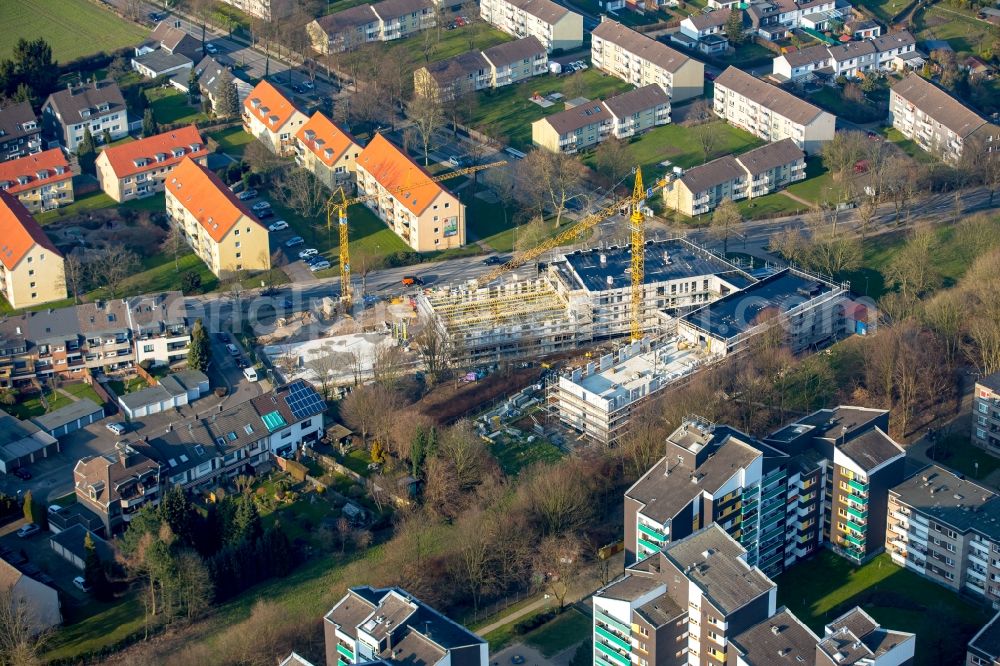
column 4, row 184
column 178, row 152
column 328, row 153
column 139, row 161
column 255, row 103
column 160, row 157
column 310, row 135
column 30, row 125
column 273, row 119
column 264, row 110
column 42, row 174
column 195, row 147
column 60, row 170
column 105, row 107
column 23, row 180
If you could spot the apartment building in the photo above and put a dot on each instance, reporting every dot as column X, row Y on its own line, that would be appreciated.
column 326, row 151
column 755, row 173
column 984, row 648
column 97, row 105
column 380, row 22
column 986, row 413
column 269, row 10
column 769, row 112
column 423, row 213
column 140, row 168
column 40, row 181
column 584, row 124
column 217, row 226
column 272, row 119
column 641, row 61
column 115, row 486
column 20, row 131
column 390, row 626
column 935, row 120
column 497, row 66
column 555, row 26
column 31, row 267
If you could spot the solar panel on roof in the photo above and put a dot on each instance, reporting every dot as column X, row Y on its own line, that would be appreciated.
column 273, row 420
column 303, row 400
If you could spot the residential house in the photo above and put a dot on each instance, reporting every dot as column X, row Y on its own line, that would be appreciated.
column 984, row 648
column 210, row 78
column 423, row 213
column 803, row 63
column 40, row 181
column 23, row 443
column 158, row 325
column 170, row 37
column 497, row 66
column 389, row 626
column 218, row 226
column 140, row 168
column 587, row 123
column 327, row 151
column 857, row 638
column 31, row 267
column 854, row 59
column 172, row 391
column 705, row 32
column 947, row 529
column 20, row 132
column 116, row 485
column 97, row 105
column 935, row 120
column 755, row 173
column 862, row 28
column 555, row 26
column 769, row 112
column 893, row 45
column 159, row 62
column 780, row 637
column 40, row 600
column 851, row 59
column 269, row 10
column 986, row 413
column 272, row 119
column 641, row 60
column 380, row 22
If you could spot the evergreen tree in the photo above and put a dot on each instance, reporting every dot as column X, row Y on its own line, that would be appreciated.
column 227, row 103
column 200, row 352
column 193, row 85
column 86, row 152
column 177, row 512
column 734, row 26
column 246, row 524
column 29, row 507
column 149, row 127
column 93, row 571
column 106, row 137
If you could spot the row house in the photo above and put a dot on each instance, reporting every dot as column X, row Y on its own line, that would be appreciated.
column 936, row 121
column 326, row 151
column 769, row 112
column 423, row 213
column 272, row 119
column 986, row 413
column 117, row 485
column 20, row 132
column 140, row 168
column 218, row 226
column 753, row 174
column 390, row 626
column 97, row 106
column 380, row 22
column 268, row 10
column 495, row 67
column 31, row 267
column 641, row 61
column 40, row 181
column 552, row 24
column 585, row 123
column 851, row 60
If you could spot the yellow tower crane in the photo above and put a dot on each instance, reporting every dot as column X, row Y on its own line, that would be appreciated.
column 340, row 208
column 638, row 237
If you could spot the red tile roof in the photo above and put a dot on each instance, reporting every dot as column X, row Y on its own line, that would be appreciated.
column 135, row 157
column 29, row 172
column 325, row 140
column 206, row 197
column 268, row 105
column 395, row 171
column 19, row 232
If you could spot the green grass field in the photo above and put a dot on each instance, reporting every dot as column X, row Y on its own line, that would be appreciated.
column 514, row 456
column 819, row 185
column 821, row 589
column 96, row 201
column 958, row 453
column 964, row 33
column 908, row 146
column 410, row 51
column 73, row 28
column 94, row 626
column 233, row 140
column 567, row 630
column 170, row 106
column 770, row 205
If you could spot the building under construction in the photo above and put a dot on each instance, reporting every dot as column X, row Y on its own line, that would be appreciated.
column 578, row 298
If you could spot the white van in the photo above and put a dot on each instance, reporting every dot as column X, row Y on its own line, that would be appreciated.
column 250, row 373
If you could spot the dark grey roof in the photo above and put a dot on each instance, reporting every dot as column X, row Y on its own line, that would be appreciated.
column 19, row 438
column 660, row 611
column 770, row 97
column 817, row 53
column 780, row 639
column 153, row 311
column 987, row 641
column 570, row 120
column 447, row 72
column 856, row 621
column 13, row 119
column 70, row 102
column 349, row 612
column 640, row 45
column 546, row 10
column 770, row 156
column 855, row 635
column 393, row 9
column 848, row 50
column 938, row 104
column 639, row 100
column 72, row 539
column 711, row 174
column 893, row 40
column 958, row 503
column 991, row 382
column 56, row 325
column 631, row 587
column 723, row 576
column 709, row 19
column 82, row 408
column 511, row 52
column 348, row 19
column 871, row 449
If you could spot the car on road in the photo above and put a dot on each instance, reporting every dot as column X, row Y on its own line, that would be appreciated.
column 260, row 205
column 280, row 225
column 412, row 280
column 116, row 427
column 233, row 349
column 456, row 161
column 242, row 363
column 517, row 659
column 246, row 195
column 320, row 265
column 250, row 374
column 493, row 260
column 80, row 583
column 28, row 530
column 308, row 252
column 22, row 473
column 211, row 48
column 157, row 16
column 308, row 85
column 222, row 337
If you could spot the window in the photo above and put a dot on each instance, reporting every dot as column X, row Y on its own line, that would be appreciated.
column 286, row 434
column 984, row 408
column 147, row 349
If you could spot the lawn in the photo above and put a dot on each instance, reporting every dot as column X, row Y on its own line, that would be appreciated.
column 104, row 624
column 770, row 205
column 34, row 406
column 821, row 589
column 233, row 140
column 98, row 200
column 135, row 383
column 73, row 28
column 507, row 113
column 487, row 222
column 964, row 33
column 832, row 100
column 958, row 453
column 410, row 51
column 160, row 274
column 170, row 106
column 819, row 185
column 884, row 10
column 82, row 390
column 514, row 455
column 567, row 630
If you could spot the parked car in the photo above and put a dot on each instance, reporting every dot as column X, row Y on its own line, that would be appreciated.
column 233, row 349
column 260, row 205
column 28, row 530
column 116, row 427
column 222, row 337
column 250, row 374
column 320, row 265
column 456, row 161
column 242, row 363
column 308, row 85
column 22, row 473
column 294, row 240
column 493, row 260
column 412, row 280
column 80, row 583
column 211, row 48
column 246, row 195
column 308, row 252
column 264, row 214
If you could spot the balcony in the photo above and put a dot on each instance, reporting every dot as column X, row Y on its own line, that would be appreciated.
column 857, row 499
column 860, row 487
column 654, row 534
column 858, row 513
column 616, row 656
column 616, row 640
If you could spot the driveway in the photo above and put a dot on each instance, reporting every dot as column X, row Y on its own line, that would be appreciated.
column 298, row 271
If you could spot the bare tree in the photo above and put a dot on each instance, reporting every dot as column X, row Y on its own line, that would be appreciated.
column 866, row 214
column 474, row 562
column 547, row 179
column 843, row 152
column 613, row 160
column 708, row 139
column 911, row 269
column 116, row 263
column 75, row 274
column 530, row 234
column 324, row 367
column 175, row 244
column 432, row 346
column 558, row 563
column 726, row 219
column 260, row 158
column 302, row 192
column 387, row 365
column 558, row 496
column 22, row 635
column 427, row 115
